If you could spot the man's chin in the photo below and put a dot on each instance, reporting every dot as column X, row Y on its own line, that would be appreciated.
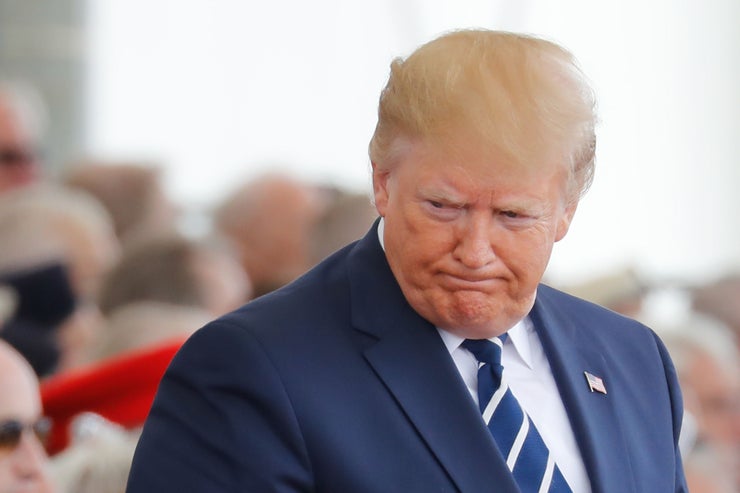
column 480, row 325
column 492, row 314
column 470, row 314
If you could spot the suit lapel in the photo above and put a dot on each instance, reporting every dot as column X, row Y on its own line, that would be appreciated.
column 593, row 415
column 413, row 363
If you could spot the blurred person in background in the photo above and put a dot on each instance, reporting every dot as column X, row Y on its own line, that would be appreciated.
column 621, row 290
column 118, row 388
column 346, row 218
column 68, row 221
column 270, row 220
column 8, row 303
column 133, row 194
column 98, row 459
column 50, row 223
column 708, row 366
column 168, row 285
column 43, row 304
column 163, row 288
column 22, row 126
column 24, row 465
column 720, row 299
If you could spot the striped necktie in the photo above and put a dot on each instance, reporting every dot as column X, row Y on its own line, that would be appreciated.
column 517, row 438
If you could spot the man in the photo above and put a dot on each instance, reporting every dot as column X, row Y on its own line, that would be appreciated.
column 133, row 194
column 361, row 376
column 708, row 367
column 23, row 460
column 269, row 219
column 719, row 299
column 21, row 124
column 48, row 224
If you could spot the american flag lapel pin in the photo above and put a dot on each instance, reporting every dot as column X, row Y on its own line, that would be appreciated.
column 595, row 384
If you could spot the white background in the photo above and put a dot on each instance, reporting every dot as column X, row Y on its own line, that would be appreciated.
column 219, row 90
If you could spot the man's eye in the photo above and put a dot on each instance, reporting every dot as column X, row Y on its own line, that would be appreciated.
column 436, row 205
column 510, row 214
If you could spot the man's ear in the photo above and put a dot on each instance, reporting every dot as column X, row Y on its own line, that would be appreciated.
column 380, row 188
column 565, row 220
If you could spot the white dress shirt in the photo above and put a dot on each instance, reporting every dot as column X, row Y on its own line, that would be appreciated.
column 532, row 383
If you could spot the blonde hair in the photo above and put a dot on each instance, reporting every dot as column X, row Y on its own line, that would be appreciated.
column 517, row 95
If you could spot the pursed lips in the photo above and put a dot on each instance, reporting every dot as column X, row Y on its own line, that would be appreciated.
column 459, row 282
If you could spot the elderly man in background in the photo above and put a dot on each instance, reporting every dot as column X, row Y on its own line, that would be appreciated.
column 22, row 122
column 269, row 219
column 427, row 356
column 23, row 462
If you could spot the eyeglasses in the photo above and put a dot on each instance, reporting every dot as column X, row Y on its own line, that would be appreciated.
column 16, row 157
column 11, row 432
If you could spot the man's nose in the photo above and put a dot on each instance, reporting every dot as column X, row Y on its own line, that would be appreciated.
column 475, row 247
column 30, row 459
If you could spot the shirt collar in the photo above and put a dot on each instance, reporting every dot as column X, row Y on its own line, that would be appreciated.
column 381, row 229
column 519, row 336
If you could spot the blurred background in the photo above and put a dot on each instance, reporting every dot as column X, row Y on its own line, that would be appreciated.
column 216, row 92
column 163, row 162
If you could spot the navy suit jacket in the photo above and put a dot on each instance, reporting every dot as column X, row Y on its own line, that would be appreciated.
column 335, row 384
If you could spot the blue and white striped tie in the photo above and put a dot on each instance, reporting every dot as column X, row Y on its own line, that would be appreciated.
column 517, row 438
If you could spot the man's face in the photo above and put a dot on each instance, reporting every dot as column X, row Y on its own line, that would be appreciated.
column 23, row 466
column 468, row 237
column 19, row 164
column 716, row 388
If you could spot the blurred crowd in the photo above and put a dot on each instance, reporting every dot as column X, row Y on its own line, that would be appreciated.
column 99, row 285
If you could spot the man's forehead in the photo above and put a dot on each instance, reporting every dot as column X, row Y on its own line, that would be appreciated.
column 476, row 160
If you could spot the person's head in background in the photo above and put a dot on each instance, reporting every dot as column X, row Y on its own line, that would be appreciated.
column 49, row 218
column 24, row 465
column 270, row 220
column 622, row 290
column 171, row 268
column 708, row 366
column 132, row 192
column 46, row 223
column 485, row 143
column 167, row 286
column 346, row 218
column 22, row 125
column 720, row 299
